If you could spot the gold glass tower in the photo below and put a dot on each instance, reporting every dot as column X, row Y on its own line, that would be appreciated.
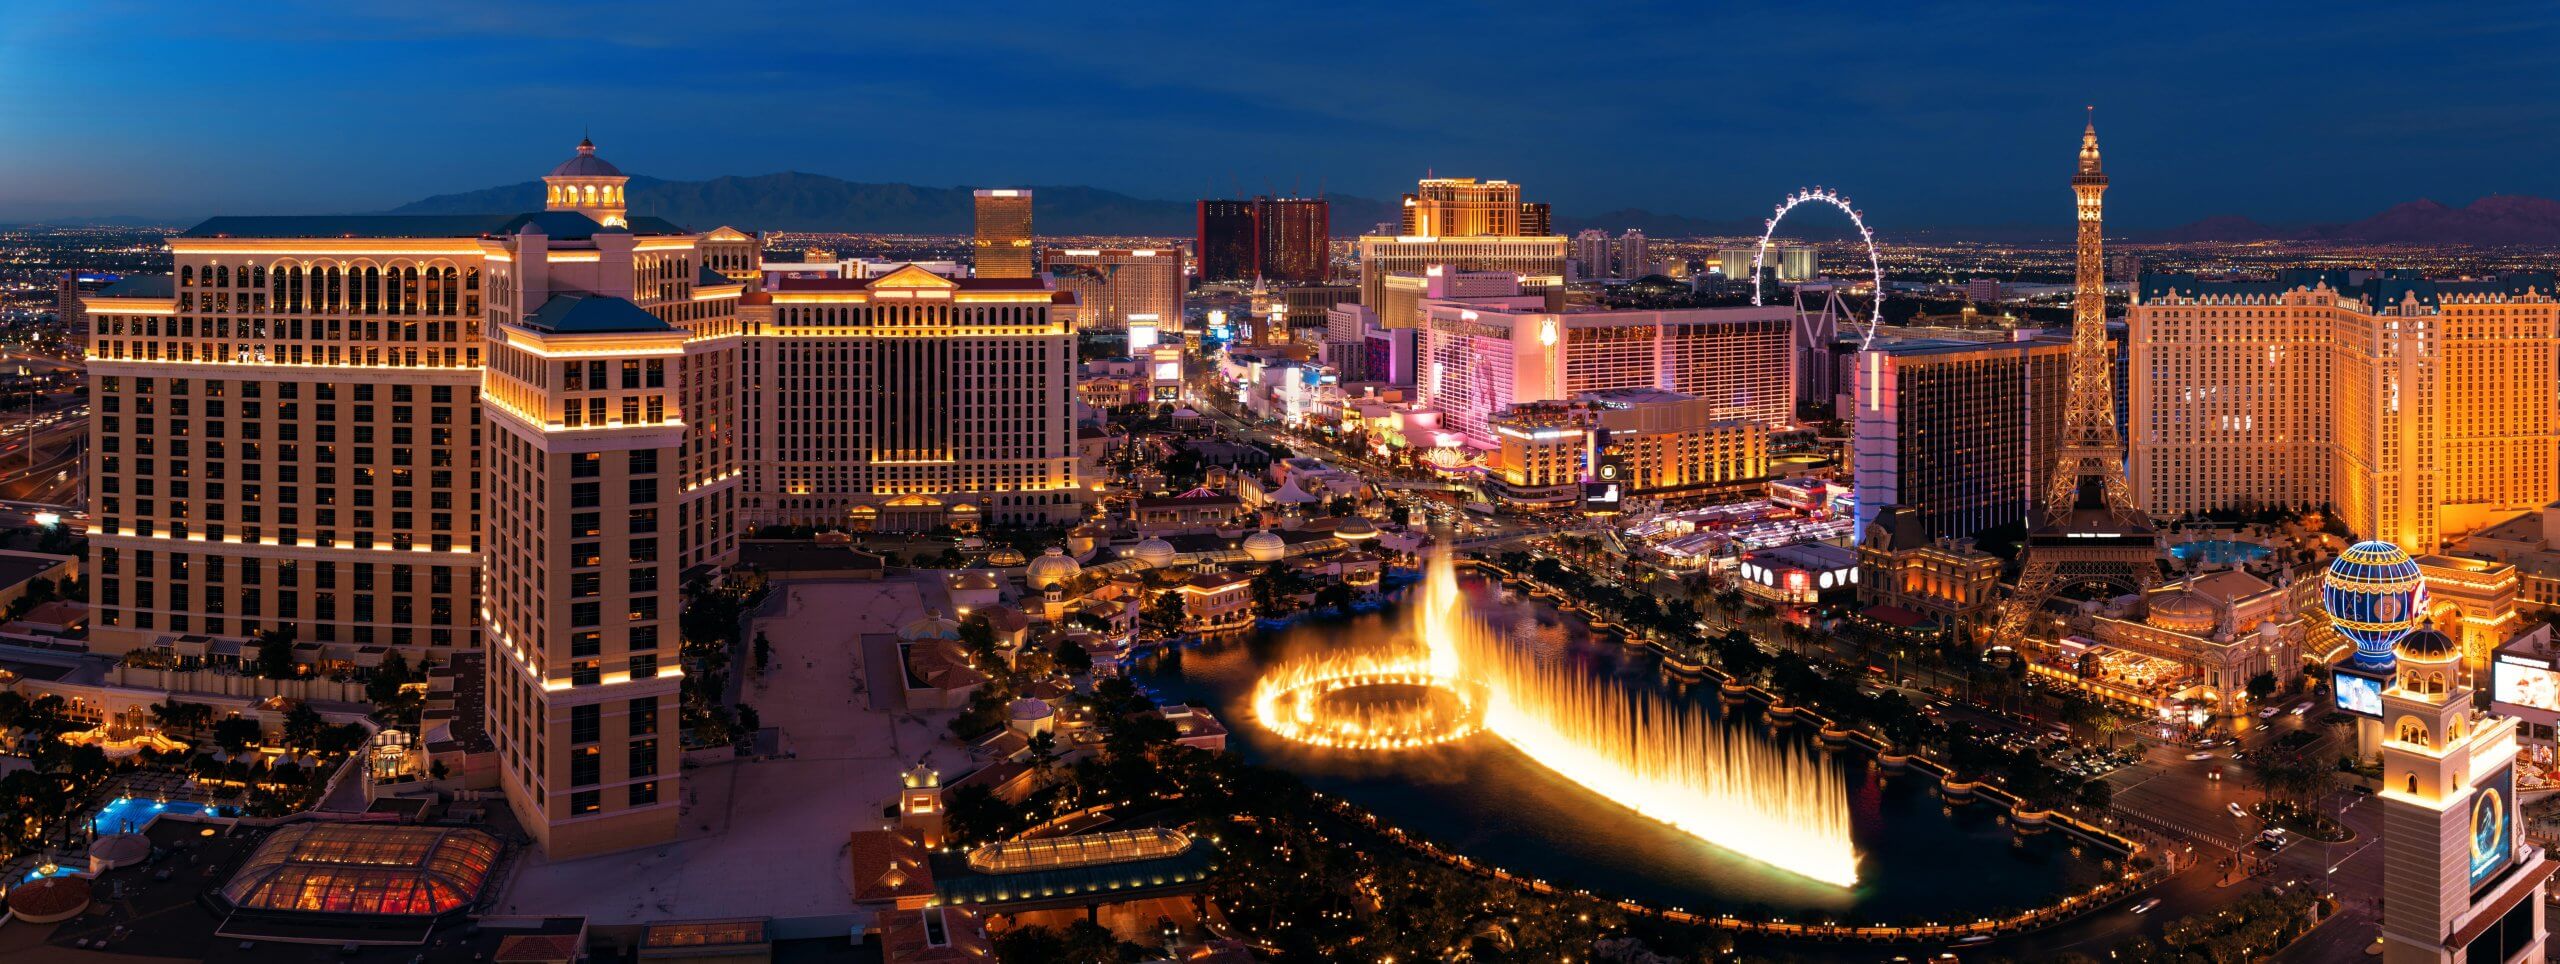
column 1004, row 233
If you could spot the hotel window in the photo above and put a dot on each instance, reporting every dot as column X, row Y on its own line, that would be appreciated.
column 585, row 802
column 644, row 794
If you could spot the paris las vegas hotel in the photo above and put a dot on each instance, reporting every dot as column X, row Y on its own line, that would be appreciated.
column 515, row 433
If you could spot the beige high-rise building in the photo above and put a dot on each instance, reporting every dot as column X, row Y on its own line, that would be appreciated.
column 911, row 401
column 437, row 434
column 1115, row 287
column 2419, row 410
column 1462, row 224
column 1003, row 242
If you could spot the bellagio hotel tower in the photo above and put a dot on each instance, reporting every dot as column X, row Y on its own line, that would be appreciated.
column 512, row 435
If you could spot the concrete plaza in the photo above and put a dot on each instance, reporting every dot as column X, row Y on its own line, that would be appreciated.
column 767, row 838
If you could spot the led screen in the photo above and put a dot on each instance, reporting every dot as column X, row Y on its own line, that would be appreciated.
column 2357, row 694
column 2492, row 830
column 2523, row 685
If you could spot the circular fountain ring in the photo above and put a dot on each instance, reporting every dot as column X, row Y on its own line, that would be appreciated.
column 1304, row 703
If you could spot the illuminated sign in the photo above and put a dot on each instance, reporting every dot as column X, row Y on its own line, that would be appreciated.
column 1600, row 498
column 1141, row 338
column 2361, row 695
column 2524, row 681
column 2493, row 836
column 1170, row 371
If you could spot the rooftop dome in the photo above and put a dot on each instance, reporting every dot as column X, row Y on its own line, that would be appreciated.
column 370, row 869
column 1005, row 557
column 1356, row 528
column 49, row 900
column 974, row 579
column 1028, row 708
column 2182, row 612
column 932, row 626
column 2427, row 644
column 586, row 164
column 1265, row 546
column 1053, row 567
column 1155, row 553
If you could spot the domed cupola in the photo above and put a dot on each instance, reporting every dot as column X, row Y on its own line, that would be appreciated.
column 2427, row 644
column 589, row 185
column 1052, row 567
column 1265, row 546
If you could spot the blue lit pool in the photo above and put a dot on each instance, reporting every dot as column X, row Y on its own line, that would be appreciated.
column 2219, row 552
column 131, row 814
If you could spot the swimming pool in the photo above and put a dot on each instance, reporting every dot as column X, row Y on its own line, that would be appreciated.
column 2219, row 552
column 131, row 814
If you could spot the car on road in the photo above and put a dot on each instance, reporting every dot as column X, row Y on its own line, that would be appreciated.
column 2200, row 755
column 2302, row 707
column 2236, row 811
column 2270, row 712
column 2146, row 906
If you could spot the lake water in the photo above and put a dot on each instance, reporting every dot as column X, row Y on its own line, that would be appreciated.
column 1922, row 858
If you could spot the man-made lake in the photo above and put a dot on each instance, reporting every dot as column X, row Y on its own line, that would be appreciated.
column 1922, row 858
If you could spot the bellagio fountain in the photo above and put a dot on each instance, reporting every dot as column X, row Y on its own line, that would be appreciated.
column 1453, row 678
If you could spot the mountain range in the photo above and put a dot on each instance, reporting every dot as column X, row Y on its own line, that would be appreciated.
column 797, row 201
column 2496, row 220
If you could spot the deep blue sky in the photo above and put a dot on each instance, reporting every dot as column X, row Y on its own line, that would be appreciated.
column 1926, row 113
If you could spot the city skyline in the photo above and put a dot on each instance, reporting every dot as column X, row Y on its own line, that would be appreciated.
column 2220, row 121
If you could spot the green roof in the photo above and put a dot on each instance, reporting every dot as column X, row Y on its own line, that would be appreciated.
column 584, row 314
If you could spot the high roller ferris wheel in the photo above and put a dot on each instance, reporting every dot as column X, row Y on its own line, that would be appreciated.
column 1875, row 261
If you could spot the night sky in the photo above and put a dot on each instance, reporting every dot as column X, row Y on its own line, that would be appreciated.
column 1927, row 114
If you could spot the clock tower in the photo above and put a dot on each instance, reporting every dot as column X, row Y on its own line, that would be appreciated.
column 2459, row 881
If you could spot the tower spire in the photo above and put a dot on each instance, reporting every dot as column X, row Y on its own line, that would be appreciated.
column 2091, row 530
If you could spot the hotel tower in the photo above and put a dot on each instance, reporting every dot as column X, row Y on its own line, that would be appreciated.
column 511, row 434
column 2418, row 410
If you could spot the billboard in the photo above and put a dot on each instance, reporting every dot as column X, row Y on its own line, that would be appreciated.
column 2361, row 695
column 2493, row 837
column 2524, row 681
column 1604, row 491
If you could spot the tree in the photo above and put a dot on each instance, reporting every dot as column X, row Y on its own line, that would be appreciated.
column 275, row 655
column 383, row 687
column 763, row 651
column 302, row 726
column 237, row 733
column 2262, row 686
column 1071, row 658
column 748, row 722
column 2097, row 794
column 1166, row 614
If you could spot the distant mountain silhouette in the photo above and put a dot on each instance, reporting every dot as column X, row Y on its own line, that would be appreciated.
column 797, row 201
column 2499, row 219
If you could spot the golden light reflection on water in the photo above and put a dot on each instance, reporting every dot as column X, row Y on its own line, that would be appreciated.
column 1780, row 805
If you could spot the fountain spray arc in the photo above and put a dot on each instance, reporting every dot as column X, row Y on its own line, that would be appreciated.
column 1782, row 806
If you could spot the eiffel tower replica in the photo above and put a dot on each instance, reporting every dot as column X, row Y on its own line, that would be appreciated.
column 2091, row 532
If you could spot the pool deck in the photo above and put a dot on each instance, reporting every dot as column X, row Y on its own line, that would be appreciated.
column 768, row 838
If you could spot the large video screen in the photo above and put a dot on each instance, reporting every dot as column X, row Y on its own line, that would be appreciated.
column 2515, row 681
column 2359, row 694
column 2492, row 827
